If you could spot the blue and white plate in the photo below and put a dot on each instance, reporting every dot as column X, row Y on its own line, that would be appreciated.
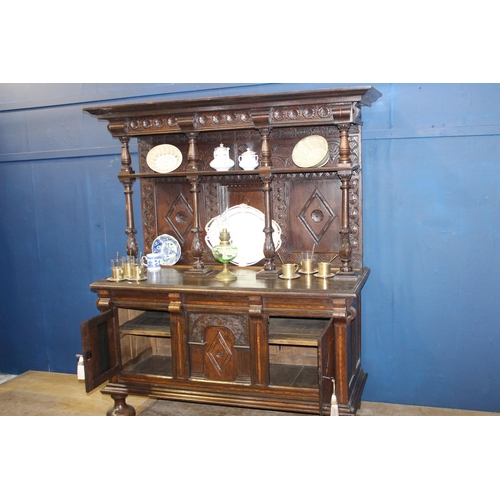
column 169, row 249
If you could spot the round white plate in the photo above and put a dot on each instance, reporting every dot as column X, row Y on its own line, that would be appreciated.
column 164, row 158
column 169, row 249
column 246, row 227
column 310, row 152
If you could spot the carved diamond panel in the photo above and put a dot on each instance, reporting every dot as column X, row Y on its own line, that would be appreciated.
column 180, row 217
column 219, row 353
column 317, row 215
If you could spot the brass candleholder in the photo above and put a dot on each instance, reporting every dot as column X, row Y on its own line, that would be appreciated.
column 225, row 252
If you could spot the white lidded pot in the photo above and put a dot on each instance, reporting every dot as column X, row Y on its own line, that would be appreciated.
column 221, row 153
column 221, row 159
column 248, row 160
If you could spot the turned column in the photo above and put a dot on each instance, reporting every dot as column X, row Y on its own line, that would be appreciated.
column 127, row 181
column 269, row 269
column 266, row 176
column 197, row 245
column 344, row 173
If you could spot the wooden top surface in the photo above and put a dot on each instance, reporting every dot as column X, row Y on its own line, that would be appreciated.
column 174, row 280
column 365, row 95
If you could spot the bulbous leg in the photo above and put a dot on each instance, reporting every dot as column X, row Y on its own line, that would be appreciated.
column 121, row 408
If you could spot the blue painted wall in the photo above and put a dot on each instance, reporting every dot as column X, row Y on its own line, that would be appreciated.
column 431, row 232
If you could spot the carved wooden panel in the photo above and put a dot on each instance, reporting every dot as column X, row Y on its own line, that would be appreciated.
column 219, row 347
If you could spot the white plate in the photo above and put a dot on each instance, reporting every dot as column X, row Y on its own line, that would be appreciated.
column 164, row 158
column 310, row 152
column 169, row 249
column 246, row 227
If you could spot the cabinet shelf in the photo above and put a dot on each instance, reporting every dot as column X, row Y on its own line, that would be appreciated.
column 153, row 365
column 149, row 323
column 282, row 331
column 215, row 173
column 293, row 375
column 296, row 331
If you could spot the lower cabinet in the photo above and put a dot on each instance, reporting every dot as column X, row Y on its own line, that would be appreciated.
column 258, row 361
column 145, row 342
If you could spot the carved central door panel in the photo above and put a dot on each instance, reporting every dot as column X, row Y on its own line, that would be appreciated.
column 219, row 347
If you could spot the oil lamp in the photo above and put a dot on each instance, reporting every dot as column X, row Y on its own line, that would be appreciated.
column 225, row 252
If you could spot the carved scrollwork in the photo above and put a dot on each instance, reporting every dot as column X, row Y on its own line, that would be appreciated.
column 355, row 235
column 280, row 207
column 148, row 213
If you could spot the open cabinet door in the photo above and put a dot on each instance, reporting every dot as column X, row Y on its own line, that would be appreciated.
column 100, row 349
column 326, row 359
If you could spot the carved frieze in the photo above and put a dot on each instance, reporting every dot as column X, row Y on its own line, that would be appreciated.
column 237, row 324
column 298, row 115
column 303, row 115
column 152, row 124
column 221, row 119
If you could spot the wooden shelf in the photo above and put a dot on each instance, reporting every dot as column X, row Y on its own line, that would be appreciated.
column 296, row 331
column 212, row 173
column 151, row 323
column 153, row 365
column 293, row 375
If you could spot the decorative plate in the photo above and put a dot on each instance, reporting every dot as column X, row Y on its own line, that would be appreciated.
column 246, row 227
column 169, row 249
column 310, row 152
column 164, row 158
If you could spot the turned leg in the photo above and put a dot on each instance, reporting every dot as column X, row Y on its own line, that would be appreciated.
column 121, row 408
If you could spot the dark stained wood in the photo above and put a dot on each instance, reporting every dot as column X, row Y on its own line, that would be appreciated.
column 258, row 341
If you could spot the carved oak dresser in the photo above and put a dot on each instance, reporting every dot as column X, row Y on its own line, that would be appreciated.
column 258, row 341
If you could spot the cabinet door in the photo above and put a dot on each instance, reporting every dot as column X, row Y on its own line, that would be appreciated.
column 100, row 349
column 326, row 360
column 219, row 347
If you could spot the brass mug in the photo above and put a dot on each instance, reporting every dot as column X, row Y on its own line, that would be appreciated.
column 289, row 270
column 324, row 269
